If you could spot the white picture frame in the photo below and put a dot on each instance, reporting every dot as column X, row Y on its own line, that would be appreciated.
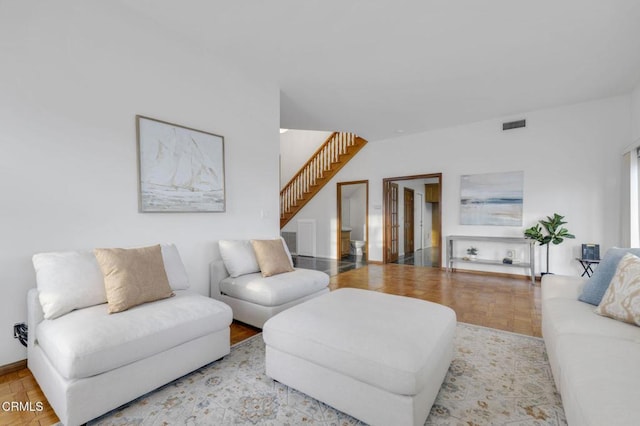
column 180, row 169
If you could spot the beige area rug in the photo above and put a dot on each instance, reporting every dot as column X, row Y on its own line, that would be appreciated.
column 496, row 378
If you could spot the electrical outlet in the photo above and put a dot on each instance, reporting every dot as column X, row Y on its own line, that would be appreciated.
column 20, row 332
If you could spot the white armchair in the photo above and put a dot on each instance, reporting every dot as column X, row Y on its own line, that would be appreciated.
column 255, row 298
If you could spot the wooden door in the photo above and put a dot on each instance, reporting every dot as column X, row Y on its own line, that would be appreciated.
column 418, row 216
column 409, row 246
column 436, row 224
column 392, row 225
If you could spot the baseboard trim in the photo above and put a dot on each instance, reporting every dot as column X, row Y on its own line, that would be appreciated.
column 13, row 367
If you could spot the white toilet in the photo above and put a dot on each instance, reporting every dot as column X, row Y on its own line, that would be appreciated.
column 357, row 247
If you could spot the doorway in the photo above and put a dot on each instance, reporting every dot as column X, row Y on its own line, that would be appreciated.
column 353, row 219
column 409, row 225
column 391, row 232
column 420, row 214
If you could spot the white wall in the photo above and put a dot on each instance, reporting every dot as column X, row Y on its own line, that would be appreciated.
column 570, row 157
column 296, row 147
column 71, row 82
column 357, row 208
column 635, row 114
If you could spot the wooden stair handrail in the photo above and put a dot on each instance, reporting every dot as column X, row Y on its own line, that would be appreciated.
column 313, row 156
column 330, row 157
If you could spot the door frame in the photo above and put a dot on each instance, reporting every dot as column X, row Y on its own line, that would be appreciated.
column 385, row 213
column 339, row 186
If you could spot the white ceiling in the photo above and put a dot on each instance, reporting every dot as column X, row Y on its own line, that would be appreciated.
column 383, row 67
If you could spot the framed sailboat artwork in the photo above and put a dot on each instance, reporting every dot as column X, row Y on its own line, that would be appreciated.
column 180, row 169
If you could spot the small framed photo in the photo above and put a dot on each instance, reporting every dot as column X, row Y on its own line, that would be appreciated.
column 180, row 169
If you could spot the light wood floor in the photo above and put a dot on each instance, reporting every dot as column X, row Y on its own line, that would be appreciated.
column 505, row 303
column 510, row 304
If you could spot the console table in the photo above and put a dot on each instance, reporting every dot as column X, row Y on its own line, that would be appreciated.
column 530, row 264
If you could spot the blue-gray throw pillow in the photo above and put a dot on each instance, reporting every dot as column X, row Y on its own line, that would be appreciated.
column 598, row 284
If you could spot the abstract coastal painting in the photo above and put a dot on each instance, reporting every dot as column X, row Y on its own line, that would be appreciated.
column 491, row 199
column 180, row 169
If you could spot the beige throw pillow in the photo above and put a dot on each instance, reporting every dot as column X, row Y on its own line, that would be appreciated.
column 271, row 256
column 133, row 276
column 621, row 301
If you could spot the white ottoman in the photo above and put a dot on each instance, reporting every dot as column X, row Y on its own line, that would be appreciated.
column 378, row 357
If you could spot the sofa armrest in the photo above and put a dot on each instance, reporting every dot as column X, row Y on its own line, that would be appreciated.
column 35, row 315
column 562, row 286
column 218, row 272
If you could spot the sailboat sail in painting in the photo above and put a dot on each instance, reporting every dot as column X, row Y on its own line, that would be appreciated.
column 181, row 169
column 491, row 199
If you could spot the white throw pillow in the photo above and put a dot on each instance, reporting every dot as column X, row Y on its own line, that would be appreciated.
column 173, row 266
column 286, row 250
column 68, row 281
column 73, row 280
column 238, row 257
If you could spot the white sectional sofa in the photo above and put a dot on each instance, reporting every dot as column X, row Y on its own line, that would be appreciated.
column 595, row 360
column 88, row 361
column 238, row 280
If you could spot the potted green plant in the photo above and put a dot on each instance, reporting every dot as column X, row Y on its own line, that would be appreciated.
column 555, row 233
column 472, row 252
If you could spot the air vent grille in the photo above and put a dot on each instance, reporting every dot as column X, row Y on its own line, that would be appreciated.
column 514, row 124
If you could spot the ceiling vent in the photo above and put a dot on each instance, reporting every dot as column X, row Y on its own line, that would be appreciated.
column 514, row 124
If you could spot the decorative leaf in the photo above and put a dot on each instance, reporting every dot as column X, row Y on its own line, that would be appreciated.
column 556, row 234
column 535, row 233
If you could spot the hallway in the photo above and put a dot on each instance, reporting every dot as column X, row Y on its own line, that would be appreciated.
column 329, row 266
column 423, row 257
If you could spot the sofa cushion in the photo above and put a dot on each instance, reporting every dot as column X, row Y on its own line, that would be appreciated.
column 67, row 281
column 565, row 316
column 621, row 301
column 599, row 379
column 275, row 290
column 596, row 286
column 133, row 276
column 73, row 280
column 89, row 341
column 238, row 257
column 271, row 257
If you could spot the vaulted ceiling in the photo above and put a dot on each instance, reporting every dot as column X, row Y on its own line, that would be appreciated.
column 386, row 67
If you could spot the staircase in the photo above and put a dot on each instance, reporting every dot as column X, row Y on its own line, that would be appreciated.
column 334, row 153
